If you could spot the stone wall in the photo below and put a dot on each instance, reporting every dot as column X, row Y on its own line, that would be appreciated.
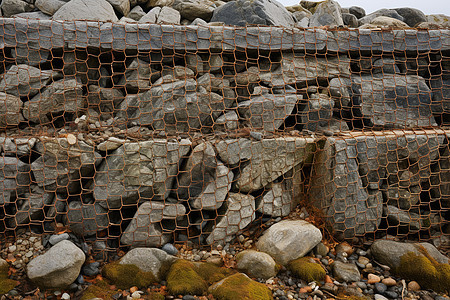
column 141, row 134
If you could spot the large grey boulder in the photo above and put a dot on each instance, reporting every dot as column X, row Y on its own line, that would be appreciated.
column 439, row 19
column 151, row 260
column 268, row 111
column 15, row 177
column 236, row 214
column 256, row 264
column 61, row 96
column 10, row 107
column 92, row 10
column 256, row 12
column 204, row 180
column 327, row 13
column 12, row 7
column 288, row 240
column 49, row 7
column 393, row 101
column 192, row 9
column 23, row 80
column 390, row 252
column 384, row 12
column 58, row 267
column 145, row 229
column 140, row 169
column 411, row 16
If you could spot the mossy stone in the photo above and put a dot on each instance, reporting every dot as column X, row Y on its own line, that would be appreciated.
column 240, row 287
column 98, row 290
column 6, row 284
column 126, row 276
column 425, row 270
column 184, row 279
column 306, row 269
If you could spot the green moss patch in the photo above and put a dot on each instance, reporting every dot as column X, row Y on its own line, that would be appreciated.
column 6, row 284
column 98, row 290
column 185, row 277
column 306, row 269
column 240, row 287
column 126, row 276
column 425, row 270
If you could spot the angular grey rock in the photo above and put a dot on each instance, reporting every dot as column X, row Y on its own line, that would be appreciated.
column 298, row 238
column 151, row 16
column 327, row 13
column 136, row 13
column 192, row 9
column 168, row 15
column 267, row 112
column 156, row 161
column 348, row 206
column 393, row 101
column 205, row 180
column 259, row 12
column 317, row 112
column 385, row 66
column 227, row 121
column 295, row 68
column 31, row 57
column 151, row 260
column 17, row 146
column 105, row 99
column 86, row 219
column 12, row 7
column 49, row 7
column 383, row 21
column 60, row 96
column 112, row 143
column 390, row 252
column 357, row 11
column 381, row 12
column 122, row 6
column 15, row 176
column 346, row 272
column 256, row 264
column 411, row 16
column 138, row 76
column 24, row 80
column 401, row 198
column 405, row 221
column 232, row 151
column 236, row 214
column 64, row 258
column 350, row 20
column 92, row 10
column 440, row 87
column 61, row 166
column 31, row 207
column 274, row 157
column 10, row 110
column 142, row 232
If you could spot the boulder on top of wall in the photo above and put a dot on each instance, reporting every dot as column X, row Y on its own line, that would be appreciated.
column 381, row 12
column 12, row 7
column 140, row 169
column 411, row 16
column 136, row 13
column 440, row 20
column 236, row 213
column 257, row 12
column 301, row 69
column 383, row 21
column 273, row 157
column 350, row 20
column 357, row 11
column 122, row 6
column 144, row 230
column 63, row 164
column 15, row 177
column 327, row 13
column 192, row 9
column 10, row 107
column 205, row 180
column 62, row 96
column 49, row 7
column 92, row 10
column 392, row 101
column 25, row 81
column 268, row 111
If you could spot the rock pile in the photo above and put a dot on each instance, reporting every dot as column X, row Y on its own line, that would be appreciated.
column 238, row 13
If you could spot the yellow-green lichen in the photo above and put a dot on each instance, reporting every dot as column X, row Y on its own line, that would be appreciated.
column 425, row 270
column 100, row 289
column 125, row 276
column 306, row 269
column 183, row 279
column 6, row 284
column 212, row 273
column 240, row 287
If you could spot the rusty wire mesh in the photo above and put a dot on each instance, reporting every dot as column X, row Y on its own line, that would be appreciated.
column 143, row 135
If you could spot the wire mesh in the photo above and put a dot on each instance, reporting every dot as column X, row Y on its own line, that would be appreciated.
column 140, row 135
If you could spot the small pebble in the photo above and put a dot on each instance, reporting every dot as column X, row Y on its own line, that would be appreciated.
column 391, row 294
column 413, row 286
column 372, row 278
column 56, row 238
column 389, row 281
column 170, row 249
column 380, row 287
column 65, row 296
column 12, row 248
column 136, row 295
column 361, row 285
column 380, row 297
column 188, row 297
column 91, row 269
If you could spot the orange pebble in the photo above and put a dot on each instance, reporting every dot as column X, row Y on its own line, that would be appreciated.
column 133, row 289
column 328, row 279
